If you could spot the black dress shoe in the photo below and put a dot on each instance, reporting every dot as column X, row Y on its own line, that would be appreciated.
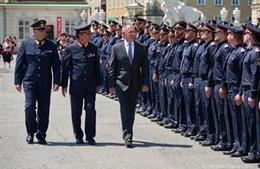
column 170, row 125
column 219, row 147
column 128, row 141
column 250, row 158
column 180, row 130
column 206, row 143
column 91, row 141
column 42, row 141
column 162, row 122
column 29, row 139
column 147, row 113
column 236, row 154
column 151, row 116
column 199, row 138
column 79, row 141
column 229, row 152
column 156, row 119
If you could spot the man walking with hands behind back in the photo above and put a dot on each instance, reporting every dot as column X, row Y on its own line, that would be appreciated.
column 128, row 73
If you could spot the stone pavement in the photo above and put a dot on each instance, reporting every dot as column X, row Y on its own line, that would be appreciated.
column 154, row 146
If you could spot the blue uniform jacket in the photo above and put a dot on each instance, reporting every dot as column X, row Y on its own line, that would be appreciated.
column 81, row 65
column 36, row 64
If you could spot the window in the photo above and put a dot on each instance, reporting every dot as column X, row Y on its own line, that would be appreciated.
column 235, row 2
column 250, row 2
column 69, row 26
column 218, row 2
column 24, row 29
column 217, row 18
column 201, row 2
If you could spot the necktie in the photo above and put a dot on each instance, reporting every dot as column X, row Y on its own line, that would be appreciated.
column 130, row 55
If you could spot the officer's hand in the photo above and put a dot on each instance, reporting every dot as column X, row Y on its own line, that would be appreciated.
column 155, row 77
column 64, row 91
column 145, row 88
column 172, row 82
column 18, row 88
column 97, row 88
column 238, row 99
column 112, row 90
column 208, row 91
column 181, row 84
column 222, row 93
column 190, row 85
column 251, row 102
column 55, row 87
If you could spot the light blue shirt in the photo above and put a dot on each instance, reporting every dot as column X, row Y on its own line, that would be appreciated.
column 132, row 47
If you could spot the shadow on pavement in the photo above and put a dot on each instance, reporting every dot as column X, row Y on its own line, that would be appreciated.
column 136, row 144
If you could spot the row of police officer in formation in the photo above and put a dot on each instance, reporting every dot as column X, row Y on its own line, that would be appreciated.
column 204, row 81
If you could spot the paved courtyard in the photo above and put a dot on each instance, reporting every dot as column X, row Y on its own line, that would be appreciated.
column 154, row 146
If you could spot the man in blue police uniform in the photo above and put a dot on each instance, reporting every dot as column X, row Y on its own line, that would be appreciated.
column 37, row 60
column 251, row 38
column 186, row 80
column 230, row 87
column 97, row 36
column 205, row 89
column 139, row 26
column 223, row 50
column 80, row 63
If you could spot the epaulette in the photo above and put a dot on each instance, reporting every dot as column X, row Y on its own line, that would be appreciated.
column 226, row 45
column 212, row 43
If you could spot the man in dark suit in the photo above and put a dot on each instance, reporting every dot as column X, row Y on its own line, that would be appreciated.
column 80, row 62
column 128, row 73
column 37, row 60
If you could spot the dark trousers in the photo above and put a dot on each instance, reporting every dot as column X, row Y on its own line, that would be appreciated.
column 250, row 124
column 37, row 121
column 188, row 95
column 258, row 131
column 127, row 101
column 170, row 99
column 222, row 126
column 179, row 107
column 162, row 97
column 88, row 98
column 236, row 118
column 200, row 118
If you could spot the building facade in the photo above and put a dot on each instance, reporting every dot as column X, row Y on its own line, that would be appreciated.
column 61, row 16
column 256, row 12
column 211, row 8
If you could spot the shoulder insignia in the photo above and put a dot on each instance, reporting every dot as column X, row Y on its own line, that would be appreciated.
column 226, row 46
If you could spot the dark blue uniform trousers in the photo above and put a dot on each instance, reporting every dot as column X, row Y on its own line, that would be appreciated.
column 236, row 117
column 250, row 125
column 170, row 99
column 189, row 104
column 222, row 126
column 37, row 122
column 179, row 107
column 89, row 99
column 162, row 97
column 200, row 118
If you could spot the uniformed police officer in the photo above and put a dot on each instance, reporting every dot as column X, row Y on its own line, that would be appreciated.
column 37, row 60
column 251, row 38
column 81, row 63
column 205, row 89
column 96, row 36
column 186, row 79
column 231, row 83
column 223, row 50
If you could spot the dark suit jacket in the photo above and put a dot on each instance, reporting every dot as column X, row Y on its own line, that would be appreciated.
column 124, row 74
column 81, row 65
